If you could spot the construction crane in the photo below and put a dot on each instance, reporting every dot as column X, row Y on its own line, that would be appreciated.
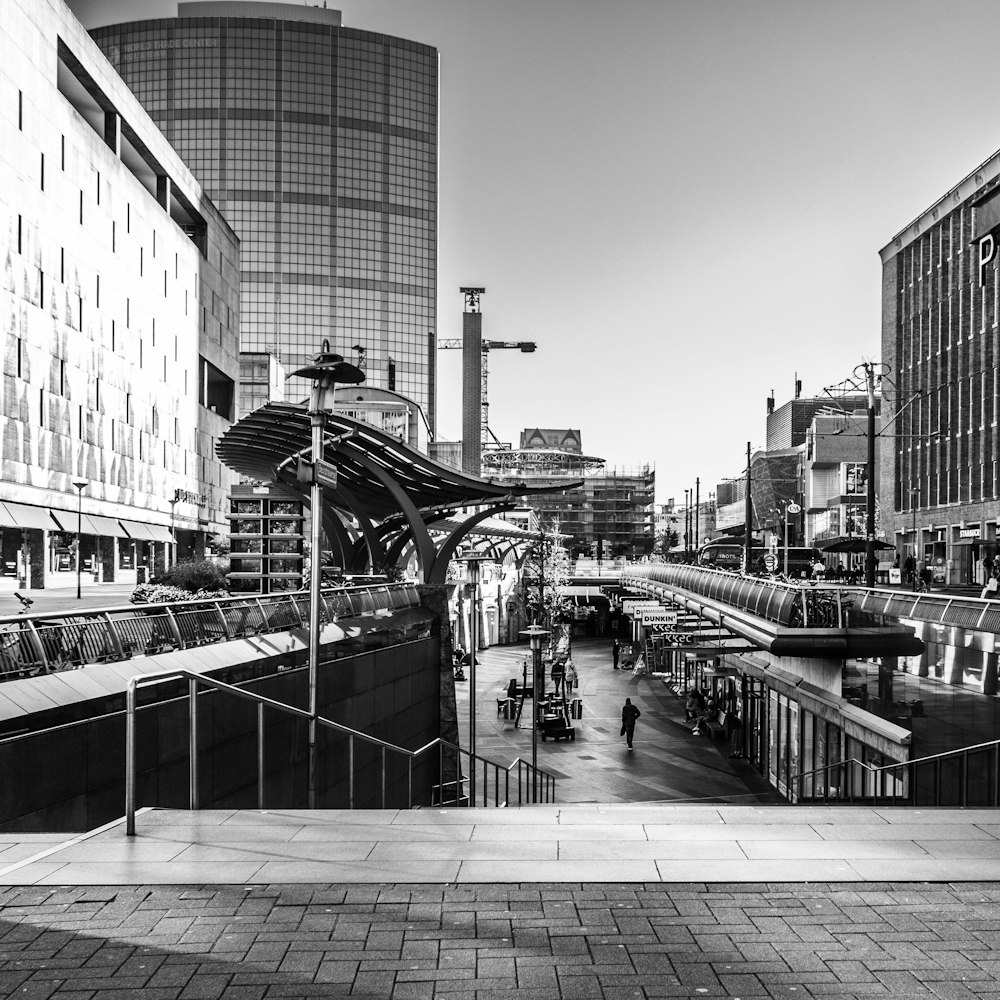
column 524, row 346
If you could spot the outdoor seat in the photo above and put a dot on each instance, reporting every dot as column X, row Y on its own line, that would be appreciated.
column 716, row 727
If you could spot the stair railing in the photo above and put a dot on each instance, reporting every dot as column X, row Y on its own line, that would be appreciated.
column 968, row 776
column 533, row 784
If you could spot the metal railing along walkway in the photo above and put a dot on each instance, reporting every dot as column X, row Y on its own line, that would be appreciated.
column 968, row 778
column 785, row 604
column 974, row 613
column 532, row 784
column 41, row 644
column 807, row 605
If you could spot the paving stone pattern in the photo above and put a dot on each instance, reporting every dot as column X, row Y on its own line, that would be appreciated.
column 548, row 942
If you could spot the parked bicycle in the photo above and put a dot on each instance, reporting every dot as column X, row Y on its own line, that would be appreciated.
column 17, row 653
column 27, row 650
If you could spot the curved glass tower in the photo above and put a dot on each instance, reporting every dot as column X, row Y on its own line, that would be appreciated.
column 319, row 145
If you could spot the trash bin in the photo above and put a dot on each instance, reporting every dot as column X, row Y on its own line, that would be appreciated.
column 140, row 574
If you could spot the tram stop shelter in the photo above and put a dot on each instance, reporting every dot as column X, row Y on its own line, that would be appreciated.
column 385, row 499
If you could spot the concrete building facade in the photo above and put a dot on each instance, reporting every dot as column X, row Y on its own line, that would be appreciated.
column 940, row 316
column 120, row 312
column 318, row 143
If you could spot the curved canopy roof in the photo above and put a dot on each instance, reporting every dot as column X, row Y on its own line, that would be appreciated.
column 272, row 437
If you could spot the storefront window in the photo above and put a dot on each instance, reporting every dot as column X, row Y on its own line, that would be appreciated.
column 808, row 783
column 792, row 745
column 773, row 735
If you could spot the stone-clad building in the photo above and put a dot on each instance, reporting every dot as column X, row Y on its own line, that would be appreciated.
column 119, row 316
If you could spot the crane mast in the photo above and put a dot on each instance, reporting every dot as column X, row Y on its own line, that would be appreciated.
column 524, row 346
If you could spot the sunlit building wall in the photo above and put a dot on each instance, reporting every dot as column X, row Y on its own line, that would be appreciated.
column 119, row 309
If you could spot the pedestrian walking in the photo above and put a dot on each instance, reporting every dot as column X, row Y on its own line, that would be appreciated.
column 629, row 714
column 572, row 680
column 615, row 650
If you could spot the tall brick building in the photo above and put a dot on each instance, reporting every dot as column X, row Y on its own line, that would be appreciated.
column 940, row 313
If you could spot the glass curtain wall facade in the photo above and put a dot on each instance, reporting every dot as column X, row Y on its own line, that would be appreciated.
column 319, row 145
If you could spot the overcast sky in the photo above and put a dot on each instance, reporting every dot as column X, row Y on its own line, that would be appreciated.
column 682, row 203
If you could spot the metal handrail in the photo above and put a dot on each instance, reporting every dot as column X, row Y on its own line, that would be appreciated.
column 797, row 606
column 47, row 643
column 977, row 613
column 880, row 771
column 547, row 784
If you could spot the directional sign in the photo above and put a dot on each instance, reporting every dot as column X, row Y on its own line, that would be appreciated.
column 634, row 607
column 317, row 472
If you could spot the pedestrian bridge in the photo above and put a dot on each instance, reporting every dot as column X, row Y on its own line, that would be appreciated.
column 787, row 620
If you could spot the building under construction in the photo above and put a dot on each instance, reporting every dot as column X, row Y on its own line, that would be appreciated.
column 615, row 505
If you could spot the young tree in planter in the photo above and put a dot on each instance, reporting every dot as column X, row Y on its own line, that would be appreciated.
column 545, row 574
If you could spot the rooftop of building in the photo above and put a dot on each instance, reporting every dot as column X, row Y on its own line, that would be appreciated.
column 316, row 13
column 986, row 173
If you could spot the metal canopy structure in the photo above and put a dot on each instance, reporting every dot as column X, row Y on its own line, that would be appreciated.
column 387, row 494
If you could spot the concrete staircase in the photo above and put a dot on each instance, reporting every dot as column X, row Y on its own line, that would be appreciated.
column 614, row 843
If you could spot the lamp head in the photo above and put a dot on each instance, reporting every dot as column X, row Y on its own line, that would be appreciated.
column 79, row 485
column 535, row 634
column 330, row 368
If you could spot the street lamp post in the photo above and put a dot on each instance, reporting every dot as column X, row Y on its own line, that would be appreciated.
column 870, row 490
column 173, row 528
column 80, row 487
column 474, row 561
column 914, row 500
column 790, row 508
column 326, row 371
column 535, row 636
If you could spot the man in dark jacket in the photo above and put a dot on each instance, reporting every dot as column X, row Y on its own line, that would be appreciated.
column 629, row 714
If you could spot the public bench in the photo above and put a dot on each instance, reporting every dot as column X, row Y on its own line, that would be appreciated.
column 716, row 728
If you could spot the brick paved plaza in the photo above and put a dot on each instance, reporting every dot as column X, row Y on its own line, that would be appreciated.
column 480, row 942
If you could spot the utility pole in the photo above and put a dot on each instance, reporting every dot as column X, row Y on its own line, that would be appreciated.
column 697, row 514
column 687, row 525
column 870, row 494
column 748, row 518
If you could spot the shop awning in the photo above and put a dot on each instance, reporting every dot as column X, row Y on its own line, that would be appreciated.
column 146, row 532
column 107, row 526
column 68, row 520
column 22, row 515
column 90, row 524
column 134, row 529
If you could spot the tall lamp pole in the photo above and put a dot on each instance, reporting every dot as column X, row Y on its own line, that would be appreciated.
column 870, row 494
column 790, row 508
column 697, row 514
column 326, row 370
column 914, row 500
column 80, row 487
column 173, row 529
column 535, row 636
column 748, row 521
